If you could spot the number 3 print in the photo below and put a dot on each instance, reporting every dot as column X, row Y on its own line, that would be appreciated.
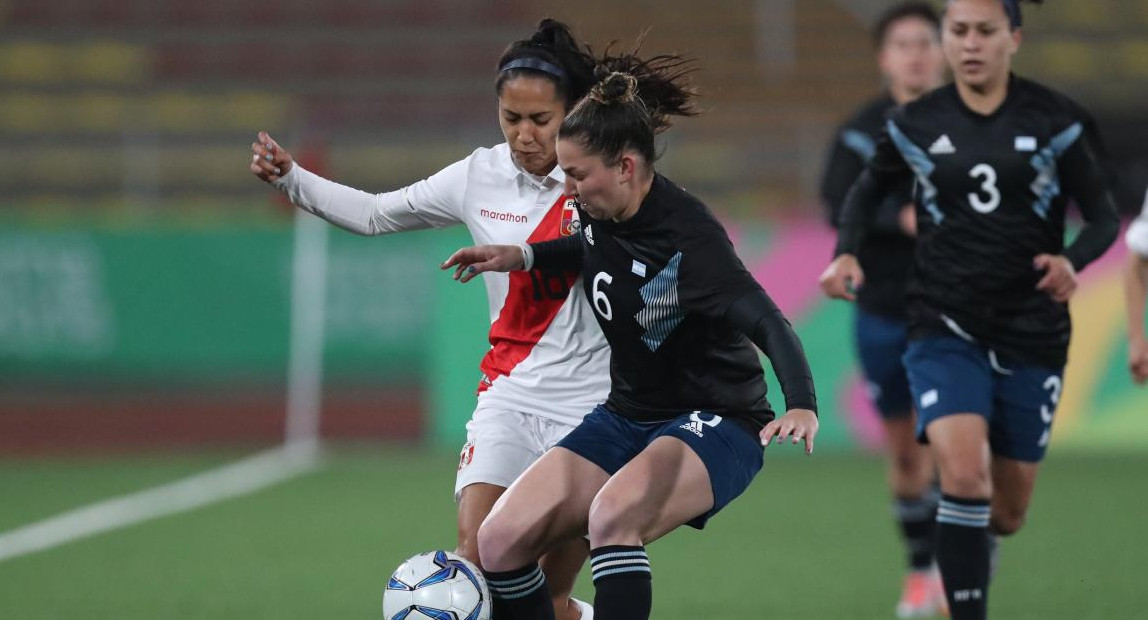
column 988, row 186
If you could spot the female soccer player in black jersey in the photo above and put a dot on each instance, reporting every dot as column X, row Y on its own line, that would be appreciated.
column 995, row 158
column 908, row 41
column 682, row 430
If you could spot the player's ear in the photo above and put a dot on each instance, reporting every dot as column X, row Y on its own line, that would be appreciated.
column 1017, row 36
column 627, row 167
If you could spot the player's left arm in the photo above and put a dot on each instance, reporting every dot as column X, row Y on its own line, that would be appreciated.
column 755, row 315
column 1084, row 180
column 714, row 282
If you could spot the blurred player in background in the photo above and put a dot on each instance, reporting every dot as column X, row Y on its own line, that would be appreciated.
column 908, row 41
column 682, row 431
column 1135, row 291
column 548, row 363
column 995, row 158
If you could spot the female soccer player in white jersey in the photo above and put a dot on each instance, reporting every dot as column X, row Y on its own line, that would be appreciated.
column 681, row 433
column 548, row 364
column 1135, row 292
column 996, row 158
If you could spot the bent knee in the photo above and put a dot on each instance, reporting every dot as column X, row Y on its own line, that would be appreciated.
column 495, row 543
column 971, row 482
column 609, row 520
column 1007, row 522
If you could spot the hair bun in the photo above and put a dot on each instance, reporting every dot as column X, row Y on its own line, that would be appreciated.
column 548, row 33
column 617, row 87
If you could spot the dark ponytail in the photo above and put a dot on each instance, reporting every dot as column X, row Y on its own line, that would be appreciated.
column 553, row 53
column 632, row 101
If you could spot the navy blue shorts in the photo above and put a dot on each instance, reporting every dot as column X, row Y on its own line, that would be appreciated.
column 731, row 453
column 881, row 343
column 950, row 375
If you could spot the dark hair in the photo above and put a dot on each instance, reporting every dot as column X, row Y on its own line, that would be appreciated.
column 553, row 53
column 1012, row 8
column 631, row 102
column 905, row 10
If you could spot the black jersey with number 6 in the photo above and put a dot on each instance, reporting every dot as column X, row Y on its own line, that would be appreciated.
column 676, row 305
column 992, row 194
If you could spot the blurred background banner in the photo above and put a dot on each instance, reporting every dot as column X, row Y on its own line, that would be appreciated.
column 146, row 276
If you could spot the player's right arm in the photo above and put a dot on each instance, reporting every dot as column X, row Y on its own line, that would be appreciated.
column 887, row 167
column 434, row 202
column 842, row 169
column 561, row 253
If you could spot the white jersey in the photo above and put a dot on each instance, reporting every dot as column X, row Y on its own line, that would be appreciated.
column 548, row 356
column 1137, row 235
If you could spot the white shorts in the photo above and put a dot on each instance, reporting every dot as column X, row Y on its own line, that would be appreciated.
column 501, row 444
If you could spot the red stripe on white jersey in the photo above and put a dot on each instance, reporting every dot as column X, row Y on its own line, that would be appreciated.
column 532, row 302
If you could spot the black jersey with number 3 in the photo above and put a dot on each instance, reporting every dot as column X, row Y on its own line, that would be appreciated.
column 992, row 192
column 675, row 303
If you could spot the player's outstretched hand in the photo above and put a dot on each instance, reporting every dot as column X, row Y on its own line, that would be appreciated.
column 270, row 161
column 797, row 425
column 469, row 262
column 1059, row 280
column 1138, row 359
column 842, row 278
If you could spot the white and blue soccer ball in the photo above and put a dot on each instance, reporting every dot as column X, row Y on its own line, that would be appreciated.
column 437, row 585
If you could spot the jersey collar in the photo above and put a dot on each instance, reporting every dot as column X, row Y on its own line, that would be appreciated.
column 553, row 178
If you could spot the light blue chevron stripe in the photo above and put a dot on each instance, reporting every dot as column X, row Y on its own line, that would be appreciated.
column 922, row 166
column 1047, row 183
column 859, row 143
column 662, row 312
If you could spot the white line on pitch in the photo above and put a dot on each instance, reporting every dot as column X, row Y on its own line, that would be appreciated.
column 240, row 478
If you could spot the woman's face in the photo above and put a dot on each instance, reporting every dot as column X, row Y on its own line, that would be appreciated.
column 978, row 42
column 911, row 56
column 598, row 187
column 529, row 113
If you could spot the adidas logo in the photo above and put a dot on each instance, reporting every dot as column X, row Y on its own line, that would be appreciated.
column 589, row 233
column 693, row 427
column 943, row 146
column 696, row 425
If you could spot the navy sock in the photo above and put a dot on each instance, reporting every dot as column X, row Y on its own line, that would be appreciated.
column 520, row 594
column 918, row 519
column 621, row 583
column 963, row 555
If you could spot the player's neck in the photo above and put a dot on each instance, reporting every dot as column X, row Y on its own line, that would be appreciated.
column 902, row 94
column 984, row 99
column 635, row 201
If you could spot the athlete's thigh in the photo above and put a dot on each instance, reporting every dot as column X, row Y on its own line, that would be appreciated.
column 960, row 447
column 948, row 376
column 550, row 502
column 666, row 485
column 500, row 445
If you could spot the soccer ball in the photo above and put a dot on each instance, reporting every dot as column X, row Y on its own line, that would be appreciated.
column 437, row 585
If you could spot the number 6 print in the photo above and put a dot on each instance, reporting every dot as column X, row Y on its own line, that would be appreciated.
column 601, row 302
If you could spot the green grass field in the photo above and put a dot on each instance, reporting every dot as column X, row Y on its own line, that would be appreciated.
column 812, row 538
